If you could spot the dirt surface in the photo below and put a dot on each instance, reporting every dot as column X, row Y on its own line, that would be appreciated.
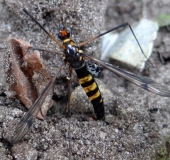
column 137, row 121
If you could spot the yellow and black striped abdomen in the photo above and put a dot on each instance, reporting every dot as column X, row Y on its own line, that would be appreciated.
column 91, row 88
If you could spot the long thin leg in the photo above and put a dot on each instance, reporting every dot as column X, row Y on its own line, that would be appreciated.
column 69, row 110
column 102, row 34
column 54, row 39
column 115, row 28
column 46, row 50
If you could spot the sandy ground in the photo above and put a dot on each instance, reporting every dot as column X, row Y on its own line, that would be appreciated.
column 137, row 121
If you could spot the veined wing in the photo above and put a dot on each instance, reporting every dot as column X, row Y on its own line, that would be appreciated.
column 27, row 120
column 141, row 81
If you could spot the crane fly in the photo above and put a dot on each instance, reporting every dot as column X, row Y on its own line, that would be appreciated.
column 74, row 57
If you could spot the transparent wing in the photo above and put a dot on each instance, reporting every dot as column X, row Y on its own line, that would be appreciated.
column 143, row 82
column 27, row 120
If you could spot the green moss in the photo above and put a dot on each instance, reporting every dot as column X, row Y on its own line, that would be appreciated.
column 163, row 153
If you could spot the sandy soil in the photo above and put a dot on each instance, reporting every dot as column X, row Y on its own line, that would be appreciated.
column 137, row 121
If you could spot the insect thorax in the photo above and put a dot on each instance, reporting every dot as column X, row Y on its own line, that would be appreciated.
column 73, row 55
